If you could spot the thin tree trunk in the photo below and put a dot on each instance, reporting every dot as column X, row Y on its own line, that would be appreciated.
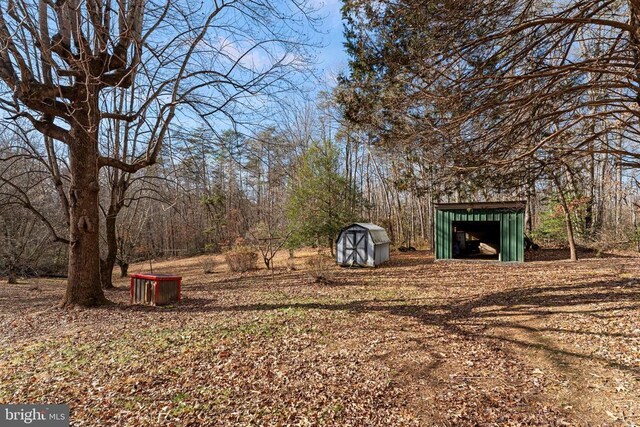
column 12, row 277
column 618, row 211
column 589, row 209
column 11, row 264
column 107, row 264
column 421, row 213
column 573, row 254
column 124, row 268
column 529, row 212
column 634, row 216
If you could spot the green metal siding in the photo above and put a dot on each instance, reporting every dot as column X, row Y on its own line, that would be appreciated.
column 511, row 230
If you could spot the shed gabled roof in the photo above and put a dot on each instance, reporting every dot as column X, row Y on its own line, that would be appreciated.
column 379, row 236
column 377, row 233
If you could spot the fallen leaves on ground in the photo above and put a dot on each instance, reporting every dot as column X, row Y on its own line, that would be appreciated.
column 414, row 342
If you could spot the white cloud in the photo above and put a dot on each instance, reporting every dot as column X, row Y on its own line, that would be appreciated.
column 247, row 53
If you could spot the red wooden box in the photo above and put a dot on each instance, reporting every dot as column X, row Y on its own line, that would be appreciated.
column 155, row 289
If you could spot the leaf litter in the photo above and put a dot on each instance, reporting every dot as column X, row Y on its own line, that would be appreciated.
column 545, row 343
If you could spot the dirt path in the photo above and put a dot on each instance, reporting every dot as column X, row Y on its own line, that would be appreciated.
column 588, row 387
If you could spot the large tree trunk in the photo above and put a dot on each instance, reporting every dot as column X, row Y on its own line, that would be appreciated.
column 83, row 286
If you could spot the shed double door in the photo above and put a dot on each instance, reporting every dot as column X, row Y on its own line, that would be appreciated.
column 355, row 247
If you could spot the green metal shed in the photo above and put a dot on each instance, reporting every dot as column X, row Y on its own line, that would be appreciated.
column 484, row 230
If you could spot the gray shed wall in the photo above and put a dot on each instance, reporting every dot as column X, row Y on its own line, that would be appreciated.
column 376, row 253
column 382, row 253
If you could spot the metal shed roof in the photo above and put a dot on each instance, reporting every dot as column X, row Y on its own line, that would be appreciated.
column 368, row 226
column 377, row 233
column 518, row 204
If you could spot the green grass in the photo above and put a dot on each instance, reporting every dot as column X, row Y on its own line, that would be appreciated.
column 131, row 349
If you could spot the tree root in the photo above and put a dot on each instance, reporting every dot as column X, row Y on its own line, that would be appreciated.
column 89, row 303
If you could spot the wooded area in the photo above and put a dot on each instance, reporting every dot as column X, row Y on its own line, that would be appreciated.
column 213, row 143
column 207, row 149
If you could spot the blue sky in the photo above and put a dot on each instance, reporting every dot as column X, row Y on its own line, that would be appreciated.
column 332, row 57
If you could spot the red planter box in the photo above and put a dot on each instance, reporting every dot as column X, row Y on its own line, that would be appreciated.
column 155, row 289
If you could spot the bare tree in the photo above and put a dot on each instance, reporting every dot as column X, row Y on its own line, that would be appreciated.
column 22, row 242
column 63, row 63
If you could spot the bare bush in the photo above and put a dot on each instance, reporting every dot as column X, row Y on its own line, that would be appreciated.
column 241, row 260
column 208, row 265
column 318, row 266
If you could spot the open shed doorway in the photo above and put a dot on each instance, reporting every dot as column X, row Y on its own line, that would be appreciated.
column 476, row 240
column 499, row 225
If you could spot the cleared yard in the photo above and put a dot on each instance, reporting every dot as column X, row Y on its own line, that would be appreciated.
column 414, row 342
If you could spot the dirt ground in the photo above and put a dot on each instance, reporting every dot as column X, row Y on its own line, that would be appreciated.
column 415, row 342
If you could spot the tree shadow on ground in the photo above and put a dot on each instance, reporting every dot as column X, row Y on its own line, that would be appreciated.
column 555, row 254
column 478, row 318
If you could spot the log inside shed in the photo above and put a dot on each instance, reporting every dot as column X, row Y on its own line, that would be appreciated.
column 476, row 239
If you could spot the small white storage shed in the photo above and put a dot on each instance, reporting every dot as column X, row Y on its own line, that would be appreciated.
column 362, row 244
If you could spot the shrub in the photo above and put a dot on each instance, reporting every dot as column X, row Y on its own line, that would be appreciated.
column 552, row 229
column 291, row 264
column 208, row 265
column 318, row 268
column 241, row 260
